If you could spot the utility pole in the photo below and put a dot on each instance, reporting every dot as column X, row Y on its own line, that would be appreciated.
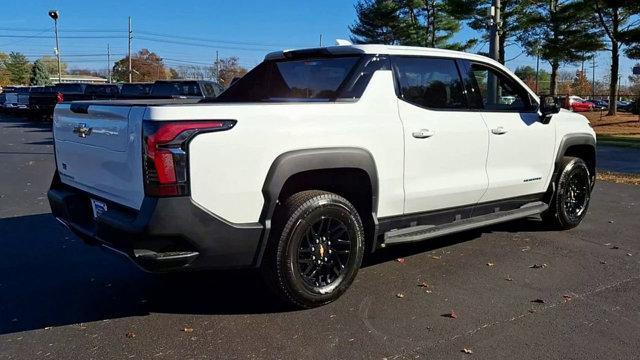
column 130, row 36
column 320, row 40
column 109, row 62
column 593, row 76
column 537, row 67
column 54, row 14
column 494, row 51
column 217, row 68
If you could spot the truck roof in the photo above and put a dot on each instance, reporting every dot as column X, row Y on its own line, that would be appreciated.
column 378, row 49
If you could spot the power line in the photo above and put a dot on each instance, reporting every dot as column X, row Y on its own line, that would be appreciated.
column 209, row 40
column 202, row 45
column 63, row 37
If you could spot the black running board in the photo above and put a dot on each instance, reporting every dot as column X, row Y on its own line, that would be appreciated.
column 424, row 232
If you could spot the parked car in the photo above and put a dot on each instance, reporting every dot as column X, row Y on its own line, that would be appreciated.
column 626, row 106
column 44, row 101
column 185, row 89
column 578, row 104
column 599, row 104
column 13, row 99
column 316, row 157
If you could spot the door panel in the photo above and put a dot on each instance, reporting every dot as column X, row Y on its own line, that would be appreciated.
column 521, row 148
column 446, row 169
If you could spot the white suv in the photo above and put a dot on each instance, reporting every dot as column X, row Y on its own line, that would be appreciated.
column 316, row 157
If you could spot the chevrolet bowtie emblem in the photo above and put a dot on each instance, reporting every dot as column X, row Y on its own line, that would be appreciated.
column 82, row 130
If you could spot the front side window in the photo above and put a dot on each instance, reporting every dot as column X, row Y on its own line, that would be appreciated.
column 430, row 82
column 318, row 79
column 495, row 91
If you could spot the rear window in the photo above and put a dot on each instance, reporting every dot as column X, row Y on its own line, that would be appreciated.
column 135, row 89
column 293, row 80
column 71, row 88
column 178, row 88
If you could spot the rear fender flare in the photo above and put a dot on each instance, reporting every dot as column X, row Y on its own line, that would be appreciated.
column 297, row 161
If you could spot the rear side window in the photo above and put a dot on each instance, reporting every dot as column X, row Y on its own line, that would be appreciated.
column 71, row 88
column 313, row 79
column 135, row 89
column 178, row 88
column 430, row 82
column 494, row 91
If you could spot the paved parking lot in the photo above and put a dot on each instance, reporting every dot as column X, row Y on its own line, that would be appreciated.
column 62, row 299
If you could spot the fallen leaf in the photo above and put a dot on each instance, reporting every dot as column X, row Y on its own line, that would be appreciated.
column 400, row 260
column 629, row 254
column 400, row 295
column 130, row 335
column 423, row 284
column 436, row 257
column 602, row 262
column 491, row 264
column 48, row 327
column 428, row 291
column 607, row 244
column 508, row 278
column 615, row 247
column 526, row 248
column 467, row 351
column 451, row 315
column 538, row 301
column 538, row 266
column 188, row 330
column 567, row 297
column 611, row 221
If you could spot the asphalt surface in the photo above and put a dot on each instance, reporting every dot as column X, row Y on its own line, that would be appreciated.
column 62, row 299
column 619, row 159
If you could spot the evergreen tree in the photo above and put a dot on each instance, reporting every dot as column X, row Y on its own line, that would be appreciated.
column 39, row 74
column 616, row 17
column 476, row 13
column 18, row 68
column 406, row 22
column 560, row 31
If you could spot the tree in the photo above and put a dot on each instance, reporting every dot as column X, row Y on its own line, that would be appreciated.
column 616, row 19
column 559, row 31
column 581, row 85
column 4, row 73
column 228, row 69
column 18, row 68
column 407, row 22
column 476, row 13
column 146, row 66
column 39, row 74
column 51, row 64
column 528, row 75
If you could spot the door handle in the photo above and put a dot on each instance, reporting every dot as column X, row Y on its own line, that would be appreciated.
column 499, row 131
column 423, row 134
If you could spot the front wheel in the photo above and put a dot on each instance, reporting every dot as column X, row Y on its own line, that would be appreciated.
column 570, row 201
column 316, row 250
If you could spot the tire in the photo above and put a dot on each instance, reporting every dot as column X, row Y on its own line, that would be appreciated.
column 315, row 250
column 570, row 201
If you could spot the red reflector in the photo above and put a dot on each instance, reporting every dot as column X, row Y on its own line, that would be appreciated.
column 60, row 97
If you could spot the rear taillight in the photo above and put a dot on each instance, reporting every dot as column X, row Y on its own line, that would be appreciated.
column 165, row 145
column 59, row 97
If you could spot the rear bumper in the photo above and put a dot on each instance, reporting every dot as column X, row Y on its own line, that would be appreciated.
column 166, row 234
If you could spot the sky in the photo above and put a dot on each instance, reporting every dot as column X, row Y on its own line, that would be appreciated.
column 189, row 32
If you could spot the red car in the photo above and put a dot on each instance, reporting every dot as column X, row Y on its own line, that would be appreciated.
column 578, row 104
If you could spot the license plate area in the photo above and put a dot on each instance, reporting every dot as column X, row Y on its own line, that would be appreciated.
column 98, row 207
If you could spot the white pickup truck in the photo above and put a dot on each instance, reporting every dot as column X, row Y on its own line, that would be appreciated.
column 316, row 157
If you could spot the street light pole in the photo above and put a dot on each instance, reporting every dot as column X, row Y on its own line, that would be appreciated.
column 54, row 14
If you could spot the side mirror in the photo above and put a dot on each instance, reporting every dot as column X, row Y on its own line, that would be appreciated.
column 548, row 107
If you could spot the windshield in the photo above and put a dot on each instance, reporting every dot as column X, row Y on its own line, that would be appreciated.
column 292, row 80
column 178, row 88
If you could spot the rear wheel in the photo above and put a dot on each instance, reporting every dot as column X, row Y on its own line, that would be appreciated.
column 570, row 201
column 316, row 250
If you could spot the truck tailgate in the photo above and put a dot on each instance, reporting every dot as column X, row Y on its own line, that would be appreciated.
column 99, row 150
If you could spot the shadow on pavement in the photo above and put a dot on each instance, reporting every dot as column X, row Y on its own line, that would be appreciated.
column 48, row 277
